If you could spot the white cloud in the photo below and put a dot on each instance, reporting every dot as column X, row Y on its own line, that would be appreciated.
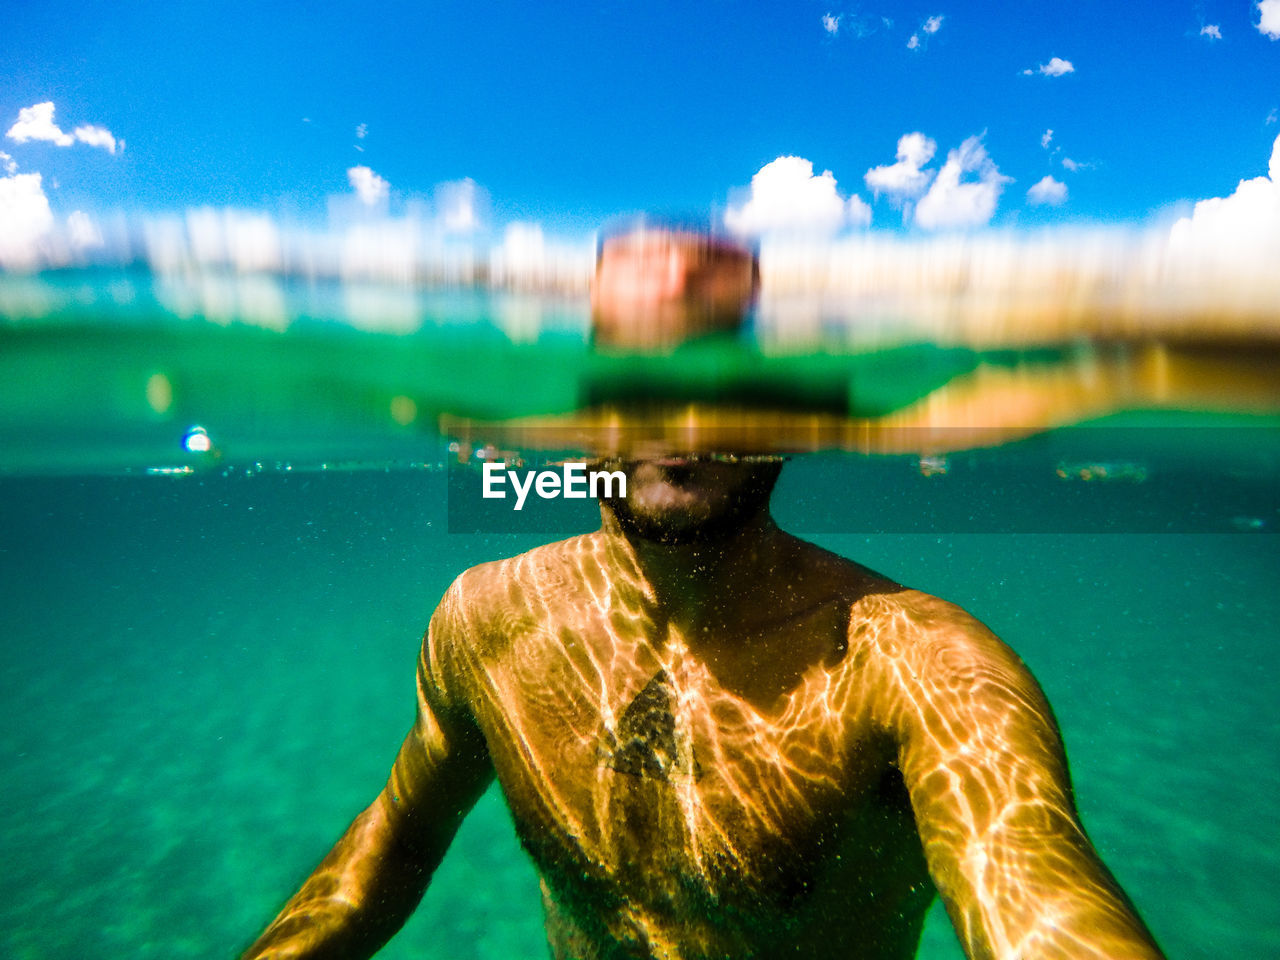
column 27, row 219
column 859, row 212
column 1269, row 22
column 905, row 179
column 787, row 198
column 82, row 231
column 458, row 206
column 1048, row 191
column 526, row 259
column 523, row 246
column 371, row 251
column 1056, row 67
column 36, row 123
column 927, row 29
column 953, row 202
column 371, row 188
column 855, row 25
column 96, row 136
column 248, row 241
column 1212, row 31
column 362, row 131
column 8, row 164
column 1240, row 230
column 1046, row 139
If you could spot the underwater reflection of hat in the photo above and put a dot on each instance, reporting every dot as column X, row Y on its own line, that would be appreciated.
column 954, row 403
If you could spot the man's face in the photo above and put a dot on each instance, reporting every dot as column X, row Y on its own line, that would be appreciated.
column 687, row 500
column 656, row 288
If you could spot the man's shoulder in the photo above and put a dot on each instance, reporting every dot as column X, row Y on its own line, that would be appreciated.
column 954, row 694
column 489, row 605
column 931, row 635
column 507, row 590
column 937, row 659
column 557, row 558
column 898, row 621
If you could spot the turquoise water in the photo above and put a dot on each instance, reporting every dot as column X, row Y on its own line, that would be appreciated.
column 208, row 674
column 207, row 677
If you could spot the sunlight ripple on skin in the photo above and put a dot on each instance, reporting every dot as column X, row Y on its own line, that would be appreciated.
column 766, row 783
column 785, row 764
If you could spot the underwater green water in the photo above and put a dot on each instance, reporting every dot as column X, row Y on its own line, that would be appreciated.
column 207, row 677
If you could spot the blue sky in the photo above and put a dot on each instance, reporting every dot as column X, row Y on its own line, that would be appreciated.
column 571, row 113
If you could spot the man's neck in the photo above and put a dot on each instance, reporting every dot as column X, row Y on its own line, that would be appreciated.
column 701, row 588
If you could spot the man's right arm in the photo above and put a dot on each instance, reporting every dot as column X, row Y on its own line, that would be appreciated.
column 373, row 878
column 982, row 758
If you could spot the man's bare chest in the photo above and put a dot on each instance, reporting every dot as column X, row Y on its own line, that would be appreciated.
column 633, row 760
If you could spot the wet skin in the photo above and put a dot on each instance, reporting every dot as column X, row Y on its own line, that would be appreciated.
column 718, row 740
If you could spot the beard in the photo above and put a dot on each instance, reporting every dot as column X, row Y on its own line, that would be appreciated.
column 739, row 498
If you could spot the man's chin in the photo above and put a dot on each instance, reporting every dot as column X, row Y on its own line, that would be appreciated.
column 686, row 527
column 673, row 532
column 686, row 501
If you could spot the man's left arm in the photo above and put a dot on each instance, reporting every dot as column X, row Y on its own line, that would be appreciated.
column 985, row 768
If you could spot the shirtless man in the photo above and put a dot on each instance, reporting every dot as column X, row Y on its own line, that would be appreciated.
column 717, row 740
